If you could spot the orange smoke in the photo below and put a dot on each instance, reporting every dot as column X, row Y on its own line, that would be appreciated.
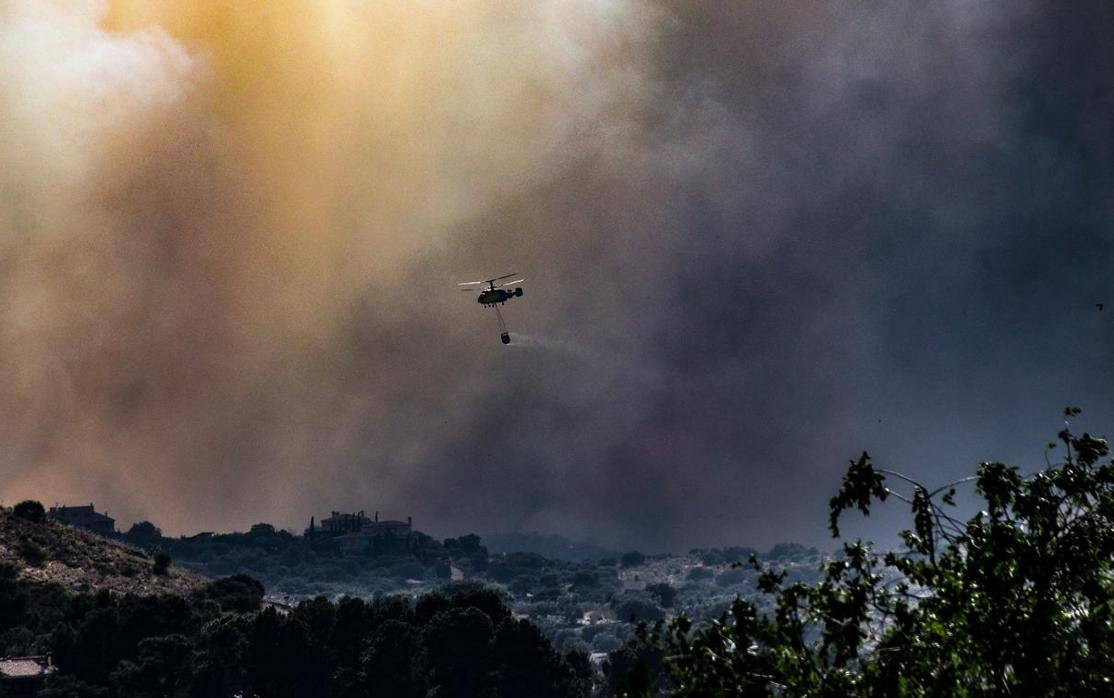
column 196, row 194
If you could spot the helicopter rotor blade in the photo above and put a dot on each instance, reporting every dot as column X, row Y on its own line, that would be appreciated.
column 511, row 283
column 505, row 276
column 471, row 283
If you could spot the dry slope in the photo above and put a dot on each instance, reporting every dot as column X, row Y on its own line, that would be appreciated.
column 83, row 562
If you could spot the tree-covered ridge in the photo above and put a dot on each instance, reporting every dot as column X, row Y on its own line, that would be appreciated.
column 1017, row 599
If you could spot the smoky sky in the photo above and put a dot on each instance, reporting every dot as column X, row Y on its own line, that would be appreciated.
column 758, row 238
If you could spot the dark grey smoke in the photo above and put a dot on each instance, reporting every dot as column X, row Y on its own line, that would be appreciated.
column 874, row 227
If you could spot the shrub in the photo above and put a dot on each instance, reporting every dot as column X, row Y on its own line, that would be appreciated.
column 731, row 577
column 632, row 559
column 162, row 563
column 262, row 530
column 32, row 553
column 503, row 571
column 240, row 592
column 791, row 552
column 30, row 510
column 407, row 570
column 637, row 609
column 606, row 642
column 698, row 573
column 585, row 580
column 523, row 584
column 664, row 593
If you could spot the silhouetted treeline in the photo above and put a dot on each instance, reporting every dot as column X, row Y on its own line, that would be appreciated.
column 461, row 641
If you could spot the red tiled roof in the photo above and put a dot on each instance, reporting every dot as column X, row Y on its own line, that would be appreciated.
column 20, row 667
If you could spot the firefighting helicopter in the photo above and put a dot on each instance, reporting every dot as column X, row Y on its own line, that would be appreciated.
column 495, row 295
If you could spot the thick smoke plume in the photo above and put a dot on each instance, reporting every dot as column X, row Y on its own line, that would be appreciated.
column 758, row 238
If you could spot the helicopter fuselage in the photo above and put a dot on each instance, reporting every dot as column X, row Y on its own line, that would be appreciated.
column 498, row 296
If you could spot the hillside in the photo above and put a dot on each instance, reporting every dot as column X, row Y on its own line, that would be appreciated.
column 83, row 562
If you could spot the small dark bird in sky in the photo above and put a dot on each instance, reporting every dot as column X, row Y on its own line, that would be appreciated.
column 1099, row 306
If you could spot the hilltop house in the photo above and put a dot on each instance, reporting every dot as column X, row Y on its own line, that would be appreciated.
column 84, row 517
column 357, row 532
column 340, row 522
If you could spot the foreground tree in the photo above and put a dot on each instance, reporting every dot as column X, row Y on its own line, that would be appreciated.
column 1016, row 600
